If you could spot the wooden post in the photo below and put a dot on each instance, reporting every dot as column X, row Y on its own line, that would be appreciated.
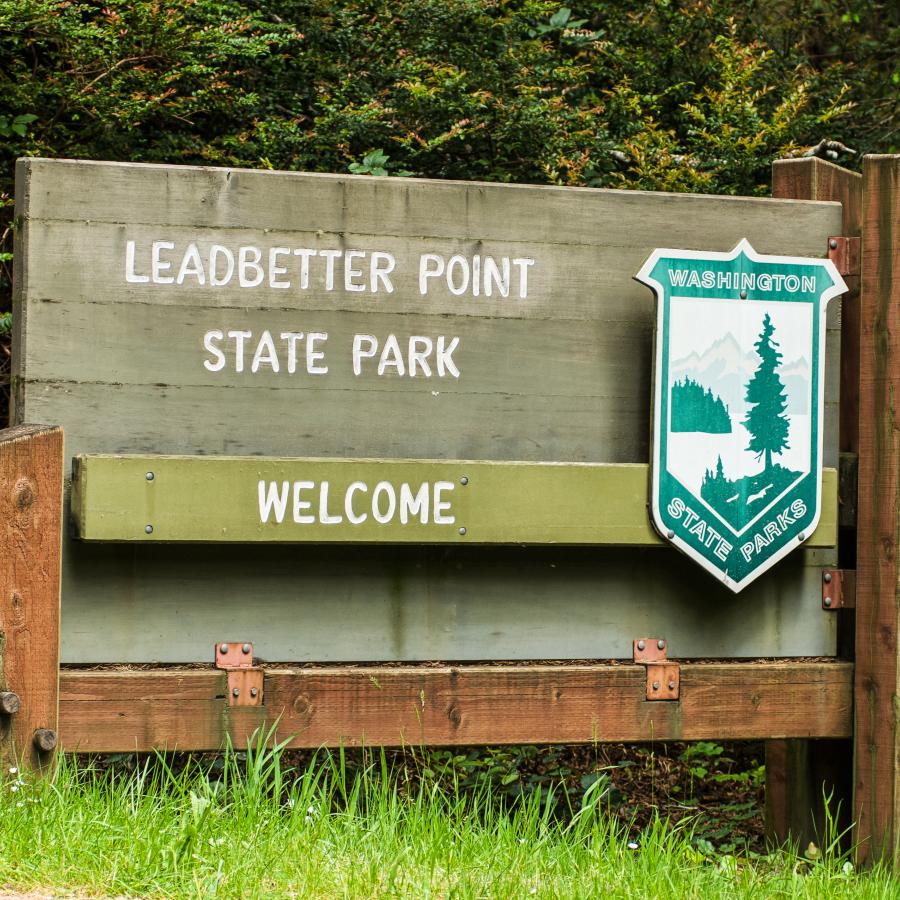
column 31, row 473
column 877, row 767
column 800, row 773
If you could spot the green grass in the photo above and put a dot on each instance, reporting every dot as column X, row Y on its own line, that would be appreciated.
column 246, row 827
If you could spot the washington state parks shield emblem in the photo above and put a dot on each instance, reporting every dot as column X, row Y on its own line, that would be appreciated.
column 738, row 401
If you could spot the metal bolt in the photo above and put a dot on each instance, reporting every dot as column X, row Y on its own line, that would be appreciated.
column 148, row 529
column 670, row 535
column 661, row 645
column 801, row 536
column 253, row 692
column 236, row 692
column 743, row 295
column 150, row 476
column 462, row 530
column 826, row 601
column 9, row 703
column 671, row 685
column 223, row 649
column 655, row 685
column 464, row 479
column 246, row 648
column 827, row 578
column 833, row 244
column 641, row 645
column 44, row 739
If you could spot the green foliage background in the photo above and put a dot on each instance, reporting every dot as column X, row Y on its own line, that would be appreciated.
column 695, row 95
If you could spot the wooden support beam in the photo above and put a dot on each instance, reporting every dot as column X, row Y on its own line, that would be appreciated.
column 31, row 467
column 800, row 773
column 186, row 709
column 877, row 770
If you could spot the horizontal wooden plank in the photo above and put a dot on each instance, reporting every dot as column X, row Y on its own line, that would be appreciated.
column 247, row 499
column 454, row 705
column 169, row 603
column 80, row 190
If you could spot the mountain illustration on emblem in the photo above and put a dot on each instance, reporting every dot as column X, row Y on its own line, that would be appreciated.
column 725, row 391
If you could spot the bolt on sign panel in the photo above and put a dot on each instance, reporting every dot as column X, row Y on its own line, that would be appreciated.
column 190, row 312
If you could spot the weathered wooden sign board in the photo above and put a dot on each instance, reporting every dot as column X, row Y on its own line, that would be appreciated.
column 305, row 327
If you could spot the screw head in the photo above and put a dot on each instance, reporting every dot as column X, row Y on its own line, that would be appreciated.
column 801, row 537
column 148, row 529
column 670, row 534
column 671, row 685
column 464, row 479
column 245, row 649
column 833, row 244
column 462, row 530
column 223, row 649
column 236, row 692
column 655, row 685
column 661, row 645
column 826, row 601
column 641, row 645
column 743, row 295
column 150, row 476
column 253, row 692
column 827, row 578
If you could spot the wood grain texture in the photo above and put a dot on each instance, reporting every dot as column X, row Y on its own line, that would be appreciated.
column 562, row 375
column 454, row 705
column 315, row 603
column 31, row 466
column 217, row 500
column 877, row 782
column 800, row 773
column 816, row 179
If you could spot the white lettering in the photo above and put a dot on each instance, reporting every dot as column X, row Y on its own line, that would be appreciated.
column 275, row 270
column 299, row 505
column 440, row 505
column 248, row 258
column 272, row 500
column 445, row 357
column 130, row 275
column 384, row 488
column 208, row 345
column 312, row 354
column 158, row 265
column 191, row 264
column 215, row 252
column 431, row 265
column 411, row 505
column 265, row 353
column 359, row 354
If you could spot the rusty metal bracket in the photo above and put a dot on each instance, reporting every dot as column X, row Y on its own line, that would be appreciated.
column 245, row 681
column 838, row 589
column 844, row 252
column 663, row 675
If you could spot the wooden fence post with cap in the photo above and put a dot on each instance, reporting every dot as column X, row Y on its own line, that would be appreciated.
column 801, row 773
column 877, row 730
column 31, row 478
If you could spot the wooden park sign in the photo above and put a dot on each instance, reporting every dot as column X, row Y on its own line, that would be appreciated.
column 739, row 402
column 442, row 375
column 387, row 433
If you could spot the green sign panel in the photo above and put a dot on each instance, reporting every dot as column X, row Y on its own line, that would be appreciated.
column 737, row 450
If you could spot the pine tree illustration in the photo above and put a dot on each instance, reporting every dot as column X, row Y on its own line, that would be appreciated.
column 766, row 421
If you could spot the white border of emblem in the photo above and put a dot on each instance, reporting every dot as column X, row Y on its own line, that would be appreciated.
column 644, row 277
